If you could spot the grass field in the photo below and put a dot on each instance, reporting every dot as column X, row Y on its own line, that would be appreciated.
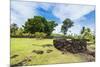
column 21, row 49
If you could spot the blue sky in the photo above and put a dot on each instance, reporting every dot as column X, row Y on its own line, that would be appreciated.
column 81, row 15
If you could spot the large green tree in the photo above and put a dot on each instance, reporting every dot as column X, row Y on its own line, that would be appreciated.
column 13, row 29
column 67, row 23
column 39, row 24
column 49, row 27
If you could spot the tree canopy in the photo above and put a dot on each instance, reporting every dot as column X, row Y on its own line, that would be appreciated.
column 67, row 23
column 13, row 28
column 39, row 24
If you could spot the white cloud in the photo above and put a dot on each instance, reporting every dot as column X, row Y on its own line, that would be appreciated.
column 25, row 8
column 75, row 29
column 92, row 27
column 74, row 12
column 20, row 11
column 58, row 29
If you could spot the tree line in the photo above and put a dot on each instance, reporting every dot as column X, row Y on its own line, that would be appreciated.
column 40, row 27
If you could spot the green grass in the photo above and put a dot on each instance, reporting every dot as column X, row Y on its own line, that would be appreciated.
column 24, row 47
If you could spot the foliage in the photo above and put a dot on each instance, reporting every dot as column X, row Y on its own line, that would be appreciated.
column 28, row 34
column 19, row 32
column 86, row 33
column 40, row 35
column 67, row 23
column 13, row 29
column 39, row 24
column 49, row 27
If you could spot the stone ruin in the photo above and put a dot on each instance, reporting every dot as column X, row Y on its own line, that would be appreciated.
column 72, row 45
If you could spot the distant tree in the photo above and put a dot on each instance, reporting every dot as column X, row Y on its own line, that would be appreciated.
column 19, row 32
column 86, row 33
column 39, row 24
column 13, row 29
column 67, row 23
column 83, row 30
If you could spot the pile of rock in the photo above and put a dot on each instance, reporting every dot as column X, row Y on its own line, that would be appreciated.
column 72, row 45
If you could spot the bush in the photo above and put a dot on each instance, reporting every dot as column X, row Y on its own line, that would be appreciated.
column 40, row 35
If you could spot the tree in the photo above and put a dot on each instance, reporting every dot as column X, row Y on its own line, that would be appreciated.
column 67, row 23
column 83, row 30
column 49, row 27
column 86, row 33
column 13, row 29
column 19, row 32
column 39, row 24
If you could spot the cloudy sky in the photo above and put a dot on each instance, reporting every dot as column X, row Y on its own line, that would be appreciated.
column 81, row 15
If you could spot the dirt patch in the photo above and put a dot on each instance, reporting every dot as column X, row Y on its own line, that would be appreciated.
column 14, row 56
column 38, row 51
column 49, row 51
column 47, row 45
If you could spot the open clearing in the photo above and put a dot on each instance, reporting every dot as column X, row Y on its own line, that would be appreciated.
column 30, row 51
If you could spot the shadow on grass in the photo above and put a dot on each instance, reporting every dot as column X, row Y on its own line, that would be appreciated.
column 45, row 45
column 14, row 56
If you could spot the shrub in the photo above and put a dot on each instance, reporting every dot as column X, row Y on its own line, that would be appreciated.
column 40, row 35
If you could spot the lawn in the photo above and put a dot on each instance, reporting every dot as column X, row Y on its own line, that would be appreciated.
column 22, row 48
